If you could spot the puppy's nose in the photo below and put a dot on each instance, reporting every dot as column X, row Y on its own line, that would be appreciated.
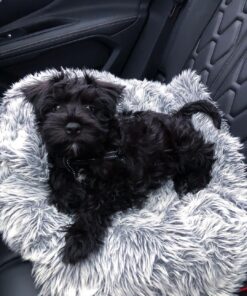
column 73, row 128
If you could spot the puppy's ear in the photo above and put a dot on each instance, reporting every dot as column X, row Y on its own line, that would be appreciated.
column 33, row 93
column 36, row 95
column 111, row 89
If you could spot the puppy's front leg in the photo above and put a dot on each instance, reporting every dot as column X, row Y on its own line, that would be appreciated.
column 67, row 194
column 84, row 237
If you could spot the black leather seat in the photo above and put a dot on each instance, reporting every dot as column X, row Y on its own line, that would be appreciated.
column 219, row 54
column 216, row 47
column 15, row 275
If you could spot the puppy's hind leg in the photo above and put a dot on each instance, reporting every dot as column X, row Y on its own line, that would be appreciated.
column 195, row 158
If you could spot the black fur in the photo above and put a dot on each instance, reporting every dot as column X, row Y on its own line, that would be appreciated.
column 148, row 149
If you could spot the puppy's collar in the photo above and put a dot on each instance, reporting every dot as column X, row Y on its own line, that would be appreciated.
column 108, row 156
column 77, row 166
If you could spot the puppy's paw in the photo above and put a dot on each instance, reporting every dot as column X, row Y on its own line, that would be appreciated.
column 78, row 248
column 192, row 182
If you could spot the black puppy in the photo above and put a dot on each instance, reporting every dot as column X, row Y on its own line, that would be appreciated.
column 103, row 162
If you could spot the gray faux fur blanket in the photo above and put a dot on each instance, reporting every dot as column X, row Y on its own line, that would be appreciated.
column 192, row 246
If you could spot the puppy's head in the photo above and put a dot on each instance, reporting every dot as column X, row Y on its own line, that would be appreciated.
column 74, row 114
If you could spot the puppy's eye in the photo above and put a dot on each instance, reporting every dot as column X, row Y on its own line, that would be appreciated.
column 56, row 108
column 90, row 108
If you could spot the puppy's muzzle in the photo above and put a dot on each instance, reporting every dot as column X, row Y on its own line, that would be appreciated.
column 73, row 128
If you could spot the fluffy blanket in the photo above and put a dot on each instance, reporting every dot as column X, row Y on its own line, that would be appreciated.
column 192, row 246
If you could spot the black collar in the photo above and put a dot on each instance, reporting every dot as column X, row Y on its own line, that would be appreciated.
column 77, row 167
column 83, row 162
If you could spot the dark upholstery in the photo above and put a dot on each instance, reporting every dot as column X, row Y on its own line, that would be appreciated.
column 219, row 54
column 15, row 275
column 220, row 57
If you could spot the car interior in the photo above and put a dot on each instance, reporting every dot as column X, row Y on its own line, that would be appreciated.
column 153, row 39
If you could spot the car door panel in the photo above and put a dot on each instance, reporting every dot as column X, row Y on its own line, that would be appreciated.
column 72, row 33
column 13, row 9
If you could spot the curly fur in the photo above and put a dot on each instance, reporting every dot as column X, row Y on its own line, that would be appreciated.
column 77, row 119
column 196, row 245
